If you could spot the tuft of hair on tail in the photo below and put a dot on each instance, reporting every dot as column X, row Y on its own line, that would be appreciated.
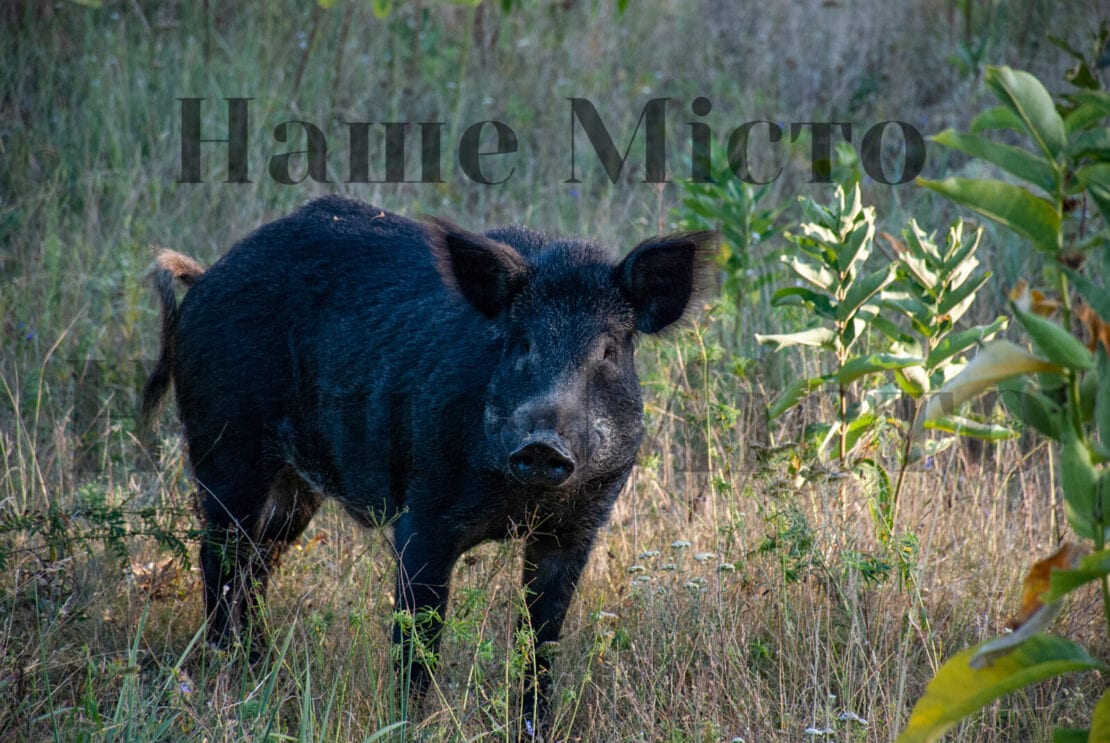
column 169, row 267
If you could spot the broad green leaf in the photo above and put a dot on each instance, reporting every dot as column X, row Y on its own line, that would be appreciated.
column 891, row 330
column 857, row 245
column 1091, row 567
column 1025, row 96
column 815, row 274
column 1056, row 344
column 1098, row 100
column 858, row 428
column 959, row 425
column 1096, row 179
column 801, row 296
column 1080, row 483
column 1011, row 206
column 862, row 290
column 793, row 394
column 1094, row 142
column 957, row 301
column 998, row 361
column 812, row 337
column 959, row 249
column 959, row 690
column 912, row 380
column 998, row 117
column 1037, row 411
column 960, row 341
column 875, row 362
column 1013, row 160
column 1100, row 720
column 1102, row 401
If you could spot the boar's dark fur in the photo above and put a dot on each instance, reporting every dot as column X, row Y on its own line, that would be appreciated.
column 458, row 387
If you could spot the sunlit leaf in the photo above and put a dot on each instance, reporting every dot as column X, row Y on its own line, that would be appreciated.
column 815, row 274
column 875, row 362
column 912, row 380
column 959, row 425
column 863, row 289
column 1024, row 94
column 997, row 361
column 812, row 337
column 959, row 690
column 960, row 341
column 1009, row 205
column 1100, row 720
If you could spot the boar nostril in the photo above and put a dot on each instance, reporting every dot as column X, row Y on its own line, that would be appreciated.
column 541, row 463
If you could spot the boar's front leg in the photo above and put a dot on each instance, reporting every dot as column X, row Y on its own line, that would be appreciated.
column 425, row 559
column 551, row 572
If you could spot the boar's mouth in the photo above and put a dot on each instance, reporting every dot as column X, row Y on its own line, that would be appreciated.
column 542, row 460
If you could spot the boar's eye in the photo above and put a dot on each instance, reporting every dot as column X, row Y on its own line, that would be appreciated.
column 610, row 352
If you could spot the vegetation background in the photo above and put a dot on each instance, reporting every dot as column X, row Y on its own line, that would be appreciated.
column 740, row 591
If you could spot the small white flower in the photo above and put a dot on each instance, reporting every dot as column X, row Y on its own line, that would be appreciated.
column 853, row 717
column 636, row 569
column 648, row 554
column 703, row 556
column 726, row 567
column 668, row 566
column 819, row 731
column 679, row 544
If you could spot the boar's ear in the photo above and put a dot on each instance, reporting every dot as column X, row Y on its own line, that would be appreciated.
column 661, row 276
column 487, row 273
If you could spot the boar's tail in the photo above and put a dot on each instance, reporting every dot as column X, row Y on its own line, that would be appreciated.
column 168, row 266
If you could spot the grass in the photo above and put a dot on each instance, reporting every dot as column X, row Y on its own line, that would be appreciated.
column 730, row 596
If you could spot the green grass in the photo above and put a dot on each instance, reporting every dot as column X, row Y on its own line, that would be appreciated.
column 788, row 623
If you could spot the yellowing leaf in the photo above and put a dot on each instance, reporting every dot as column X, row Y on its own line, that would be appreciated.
column 959, row 690
column 997, row 361
column 1032, row 300
column 1033, row 615
column 1098, row 331
column 1037, row 581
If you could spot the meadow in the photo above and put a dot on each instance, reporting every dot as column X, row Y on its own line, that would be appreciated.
column 749, row 587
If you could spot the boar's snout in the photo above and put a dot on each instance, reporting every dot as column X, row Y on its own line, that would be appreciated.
column 542, row 459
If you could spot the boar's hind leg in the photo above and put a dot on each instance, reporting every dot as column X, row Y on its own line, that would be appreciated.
column 248, row 517
column 291, row 505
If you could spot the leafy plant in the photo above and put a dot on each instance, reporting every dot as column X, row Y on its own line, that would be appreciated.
column 828, row 259
column 926, row 286
column 739, row 211
column 1066, row 166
